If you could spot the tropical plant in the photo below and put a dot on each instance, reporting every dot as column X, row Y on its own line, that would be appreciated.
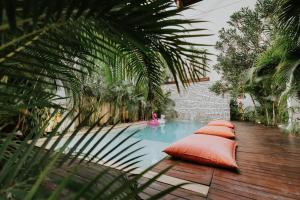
column 65, row 45
column 53, row 46
column 234, row 112
column 248, row 34
column 164, row 105
column 288, row 68
column 248, row 59
column 121, row 100
column 267, row 80
column 278, row 66
column 288, row 15
column 219, row 87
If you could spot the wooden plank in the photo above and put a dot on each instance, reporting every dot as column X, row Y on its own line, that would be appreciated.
column 271, row 185
column 248, row 190
column 187, row 171
column 274, row 170
column 179, row 193
column 200, row 189
column 269, row 166
column 217, row 194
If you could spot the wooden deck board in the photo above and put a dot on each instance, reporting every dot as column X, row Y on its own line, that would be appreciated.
column 187, row 171
column 179, row 193
column 269, row 167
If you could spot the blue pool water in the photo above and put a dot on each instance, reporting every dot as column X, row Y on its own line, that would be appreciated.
column 153, row 140
column 169, row 132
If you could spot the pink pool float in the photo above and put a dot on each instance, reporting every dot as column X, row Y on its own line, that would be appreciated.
column 154, row 121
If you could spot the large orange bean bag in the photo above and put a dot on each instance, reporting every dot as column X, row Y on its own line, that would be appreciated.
column 221, row 123
column 205, row 149
column 221, row 131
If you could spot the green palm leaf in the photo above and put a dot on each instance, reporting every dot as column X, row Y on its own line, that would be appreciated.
column 47, row 46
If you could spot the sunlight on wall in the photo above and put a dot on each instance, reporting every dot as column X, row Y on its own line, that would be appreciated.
column 199, row 103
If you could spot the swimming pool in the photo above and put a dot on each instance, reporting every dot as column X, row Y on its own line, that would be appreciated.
column 168, row 132
column 152, row 139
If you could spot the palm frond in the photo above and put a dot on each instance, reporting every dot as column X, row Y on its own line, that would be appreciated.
column 289, row 18
column 49, row 46
column 22, row 170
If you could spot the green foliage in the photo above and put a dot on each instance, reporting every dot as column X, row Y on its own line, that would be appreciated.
column 246, row 37
column 258, row 59
column 280, row 64
column 288, row 69
column 59, row 45
column 163, row 105
column 114, row 92
column 138, row 51
column 248, row 34
column 250, row 116
column 278, row 68
column 49, row 46
column 218, row 87
column 234, row 112
column 294, row 128
column 289, row 19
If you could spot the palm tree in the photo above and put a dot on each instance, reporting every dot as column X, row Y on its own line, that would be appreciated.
column 47, row 45
column 287, row 48
column 288, row 42
column 276, row 71
column 289, row 18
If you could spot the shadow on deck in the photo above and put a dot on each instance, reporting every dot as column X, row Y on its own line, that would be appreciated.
column 269, row 163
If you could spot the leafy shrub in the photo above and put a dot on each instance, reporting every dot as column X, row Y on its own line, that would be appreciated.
column 249, row 115
column 234, row 111
column 218, row 87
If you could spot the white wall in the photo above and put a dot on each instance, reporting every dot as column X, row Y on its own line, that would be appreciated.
column 197, row 102
column 293, row 104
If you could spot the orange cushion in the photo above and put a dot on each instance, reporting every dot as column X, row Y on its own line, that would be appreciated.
column 221, row 123
column 221, row 131
column 205, row 149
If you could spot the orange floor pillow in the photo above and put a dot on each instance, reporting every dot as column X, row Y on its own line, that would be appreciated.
column 221, row 131
column 205, row 149
column 221, row 123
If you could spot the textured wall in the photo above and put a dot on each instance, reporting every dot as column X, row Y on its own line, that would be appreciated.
column 199, row 103
column 293, row 104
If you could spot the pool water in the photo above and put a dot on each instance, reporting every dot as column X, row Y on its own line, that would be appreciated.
column 153, row 140
column 169, row 132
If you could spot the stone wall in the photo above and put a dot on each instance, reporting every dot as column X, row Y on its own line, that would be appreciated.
column 197, row 102
column 293, row 104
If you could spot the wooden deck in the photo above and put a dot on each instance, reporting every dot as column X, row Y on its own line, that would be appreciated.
column 269, row 163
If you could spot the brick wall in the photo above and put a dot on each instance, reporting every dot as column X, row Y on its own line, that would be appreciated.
column 197, row 102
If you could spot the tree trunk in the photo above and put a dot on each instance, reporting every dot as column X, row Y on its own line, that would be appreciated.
column 254, row 104
column 267, row 115
column 274, row 115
